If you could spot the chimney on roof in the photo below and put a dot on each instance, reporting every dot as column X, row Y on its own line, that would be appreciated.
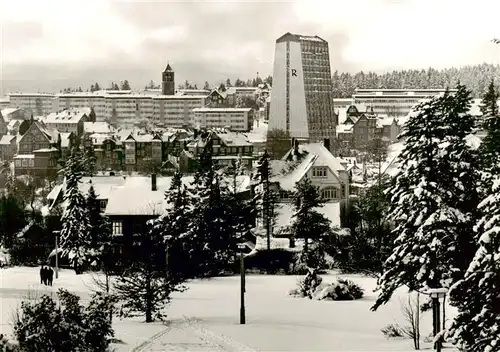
column 153, row 182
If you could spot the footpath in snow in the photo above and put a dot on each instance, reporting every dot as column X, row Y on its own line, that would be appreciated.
column 206, row 317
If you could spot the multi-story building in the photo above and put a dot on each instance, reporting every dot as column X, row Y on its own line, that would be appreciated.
column 176, row 110
column 236, row 119
column 67, row 121
column 202, row 92
column 128, row 109
column 394, row 102
column 4, row 103
column 301, row 99
column 38, row 151
column 36, row 104
column 227, row 146
column 79, row 100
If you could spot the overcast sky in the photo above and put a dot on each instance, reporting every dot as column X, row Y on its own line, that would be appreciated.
column 49, row 44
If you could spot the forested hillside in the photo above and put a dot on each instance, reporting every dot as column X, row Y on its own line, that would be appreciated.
column 475, row 78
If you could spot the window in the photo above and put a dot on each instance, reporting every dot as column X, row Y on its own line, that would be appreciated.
column 342, row 191
column 31, row 162
column 24, row 162
column 102, row 204
column 319, row 171
column 329, row 193
column 117, row 228
column 18, row 162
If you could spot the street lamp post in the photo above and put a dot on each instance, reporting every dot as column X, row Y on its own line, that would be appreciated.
column 436, row 294
column 56, row 234
column 241, row 247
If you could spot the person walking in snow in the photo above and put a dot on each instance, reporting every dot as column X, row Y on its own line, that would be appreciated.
column 50, row 276
column 42, row 275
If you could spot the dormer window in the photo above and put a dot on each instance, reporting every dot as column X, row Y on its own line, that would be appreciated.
column 319, row 171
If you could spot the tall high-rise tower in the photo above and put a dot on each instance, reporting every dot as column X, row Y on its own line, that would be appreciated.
column 168, row 81
column 301, row 100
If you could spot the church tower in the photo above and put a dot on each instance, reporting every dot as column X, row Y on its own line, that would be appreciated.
column 168, row 81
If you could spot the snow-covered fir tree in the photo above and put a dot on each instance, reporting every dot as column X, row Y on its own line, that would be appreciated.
column 99, row 230
column 173, row 223
column 307, row 222
column 477, row 325
column 264, row 196
column 90, row 161
column 433, row 198
column 145, row 286
column 75, row 228
column 241, row 210
column 210, row 237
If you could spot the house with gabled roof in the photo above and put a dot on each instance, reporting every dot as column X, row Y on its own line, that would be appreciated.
column 38, row 151
column 8, row 147
column 217, row 99
column 227, row 146
column 316, row 162
column 139, row 199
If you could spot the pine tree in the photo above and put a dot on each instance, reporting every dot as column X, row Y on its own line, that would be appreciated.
column 307, row 222
column 97, row 87
column 90, row 161
column 265, row 198
column 125, row 85
column 145, row 286
column 241, row 210
column 228, row 83
column 75, row 219
column 437, row 183
column 173, row 223
column 477, row 325
column 206, row 86
column 490, row 146
column 210, row 239
column 476, row 295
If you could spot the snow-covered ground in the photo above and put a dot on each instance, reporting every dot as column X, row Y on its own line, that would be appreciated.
column 206, row 317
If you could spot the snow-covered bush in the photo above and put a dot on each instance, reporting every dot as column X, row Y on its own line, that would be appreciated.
column 339, row 290
column 313, row 287
column 64, row 325
column 392, row 330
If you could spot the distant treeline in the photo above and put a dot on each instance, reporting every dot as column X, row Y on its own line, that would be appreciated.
column 475, row 78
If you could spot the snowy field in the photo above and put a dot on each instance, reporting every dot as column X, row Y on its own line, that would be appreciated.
column 206, row 317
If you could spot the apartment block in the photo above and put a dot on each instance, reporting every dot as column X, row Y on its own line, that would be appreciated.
column 175, row 110
column 236, row 119
column 394, row 102
column 36, row 104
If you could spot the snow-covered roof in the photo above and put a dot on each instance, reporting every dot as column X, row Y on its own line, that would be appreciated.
column 72, row 116
column 101, row 184
column 135, row 196
column 7, row 111
column 178, row 97
column 24, row 156
column 222, row 109
column 7, row 139
column 98, row 127
column 385, row 121
column 344, row 128
column 316, row 154
column 13, row 123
